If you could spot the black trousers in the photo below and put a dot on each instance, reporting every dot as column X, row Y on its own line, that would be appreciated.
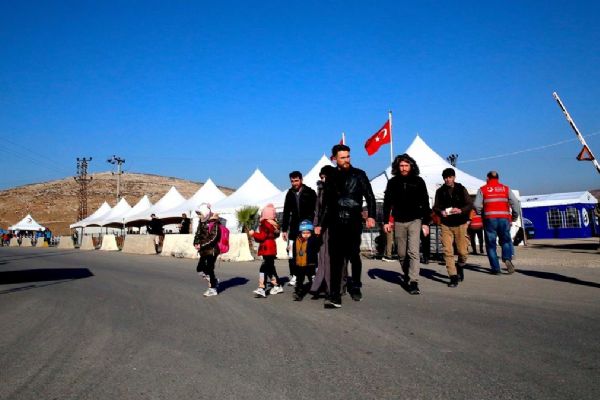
column 344, row 246
column 479, row 234
column 302, row 272
column 268, row 268
column 206, row 264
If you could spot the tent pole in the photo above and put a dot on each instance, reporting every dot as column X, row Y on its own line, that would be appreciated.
column 391, row 138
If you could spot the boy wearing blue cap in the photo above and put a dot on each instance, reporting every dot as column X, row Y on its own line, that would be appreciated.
column 306, row 250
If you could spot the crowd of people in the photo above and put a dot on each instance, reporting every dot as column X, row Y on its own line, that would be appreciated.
column 323, row 229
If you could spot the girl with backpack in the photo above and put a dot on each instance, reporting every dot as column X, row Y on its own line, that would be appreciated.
column 206, row 241
column 267, row 232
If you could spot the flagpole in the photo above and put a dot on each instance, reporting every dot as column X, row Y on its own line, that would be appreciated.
column 391, row 138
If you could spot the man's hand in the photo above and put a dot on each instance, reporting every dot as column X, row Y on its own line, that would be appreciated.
column 317, row 230
column 425, row 229
column 387, row 228
column 284, row 236
column 370, row 223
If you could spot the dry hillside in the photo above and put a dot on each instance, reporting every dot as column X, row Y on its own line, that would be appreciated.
column 54, row 204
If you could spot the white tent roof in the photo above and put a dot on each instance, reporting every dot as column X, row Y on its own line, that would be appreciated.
column 312, row 177
column 431, row 165
column 170, row 200
column 115, row 215
column 556, row 199
column 26, row 224
column 101, row 211
column 256, row 188
column 208, row 193
column 141, row 206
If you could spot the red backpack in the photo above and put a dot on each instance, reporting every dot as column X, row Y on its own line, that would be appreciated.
column 224, row 240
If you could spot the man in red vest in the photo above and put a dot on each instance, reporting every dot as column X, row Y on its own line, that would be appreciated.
column 498, row 206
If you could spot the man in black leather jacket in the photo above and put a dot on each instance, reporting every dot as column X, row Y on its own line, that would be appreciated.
column 344, row 219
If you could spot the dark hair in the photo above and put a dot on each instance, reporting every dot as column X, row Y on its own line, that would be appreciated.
column 327, row 170
column 337, row 148
column 493, row 175
column 448, row 172
column 414, row 168
column 295, row 174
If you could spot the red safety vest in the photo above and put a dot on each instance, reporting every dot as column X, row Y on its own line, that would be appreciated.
column 495, row 200
column 476, row 222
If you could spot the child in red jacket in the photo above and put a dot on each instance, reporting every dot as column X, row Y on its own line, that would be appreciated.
column 265, row 236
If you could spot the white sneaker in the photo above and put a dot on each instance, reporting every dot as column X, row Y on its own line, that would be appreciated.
column 292, row 281
column 210, row 292
column 260, row 292
column 276, row 289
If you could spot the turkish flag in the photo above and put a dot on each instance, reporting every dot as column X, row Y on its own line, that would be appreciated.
column 383, row 136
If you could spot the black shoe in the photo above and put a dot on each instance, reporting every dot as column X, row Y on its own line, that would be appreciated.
column 297, row 297
column 461, row 272
column 453, row 281
column 425, row 260
column 333, row 303
column 413, row 288
column 356, row 294
column 494, row 272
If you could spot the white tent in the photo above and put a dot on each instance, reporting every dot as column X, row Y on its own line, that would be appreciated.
column 557, row 199
column 309, row 179
column 252, row 193
column 26, row 224
column 208, row 193
column 170, row 200
column 142, row 205
column 115, row 216
column 101, row 211
column 431, row 165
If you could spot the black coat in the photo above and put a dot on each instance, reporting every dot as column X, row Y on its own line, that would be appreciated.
column 458, row 197
column 407, row 199
column 344, row 194
column 293, row 215
column 155, row 227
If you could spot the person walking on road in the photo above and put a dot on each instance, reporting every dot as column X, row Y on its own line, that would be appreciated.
column 155, row 227
column 299, row 205
column 206, row 242
column 407, row 201
column 267, row 232
column 349, row 187
column 453, row 204
column 498, row 206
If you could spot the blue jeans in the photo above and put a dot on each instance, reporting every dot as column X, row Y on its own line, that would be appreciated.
column 497, row 228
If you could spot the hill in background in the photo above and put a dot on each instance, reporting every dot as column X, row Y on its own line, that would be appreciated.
column 55, row 204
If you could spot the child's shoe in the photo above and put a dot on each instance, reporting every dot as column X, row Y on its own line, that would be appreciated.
column 211, row 292
column 276, row 289
column 260, row 292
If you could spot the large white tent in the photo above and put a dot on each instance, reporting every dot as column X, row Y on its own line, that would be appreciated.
column 208, row 193
column 170, row 200
column 115, row 216
column 27, row 224
column 309, row 179
column 252, row 193
column 101, row 211
column 431, row 165
column 141, row 206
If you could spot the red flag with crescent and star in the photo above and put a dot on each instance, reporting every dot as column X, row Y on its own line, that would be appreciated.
column 383, row 136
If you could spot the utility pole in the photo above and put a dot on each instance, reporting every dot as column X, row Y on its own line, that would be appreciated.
column 82, row 179
column 452, row 159
column 118, row 161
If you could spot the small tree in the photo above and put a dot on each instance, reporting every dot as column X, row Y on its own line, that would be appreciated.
column 247, row 217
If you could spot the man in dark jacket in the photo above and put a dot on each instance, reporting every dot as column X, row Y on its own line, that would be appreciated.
column 407, row 200
column 155, row 227
column 349, row 186
column 299, row 205
column 453, row 204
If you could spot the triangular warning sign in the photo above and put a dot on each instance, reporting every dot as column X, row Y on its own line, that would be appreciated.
column 585, row 154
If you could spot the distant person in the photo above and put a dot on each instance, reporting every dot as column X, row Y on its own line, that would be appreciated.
column 206, row 241
column 184, row 225
column 306, row 249
column 498, row 205
column 475, row 231
column 155, row 227
column 268, row 231
column 349, row 187
column 453, row 204
column 300, row 201
column 406, row 200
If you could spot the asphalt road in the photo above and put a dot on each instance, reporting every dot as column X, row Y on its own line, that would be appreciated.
column 101, row 325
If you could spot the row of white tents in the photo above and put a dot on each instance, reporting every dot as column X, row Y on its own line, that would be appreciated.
column 259, row 191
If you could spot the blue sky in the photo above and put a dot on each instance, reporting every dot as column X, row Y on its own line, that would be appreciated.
column 216, row 89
